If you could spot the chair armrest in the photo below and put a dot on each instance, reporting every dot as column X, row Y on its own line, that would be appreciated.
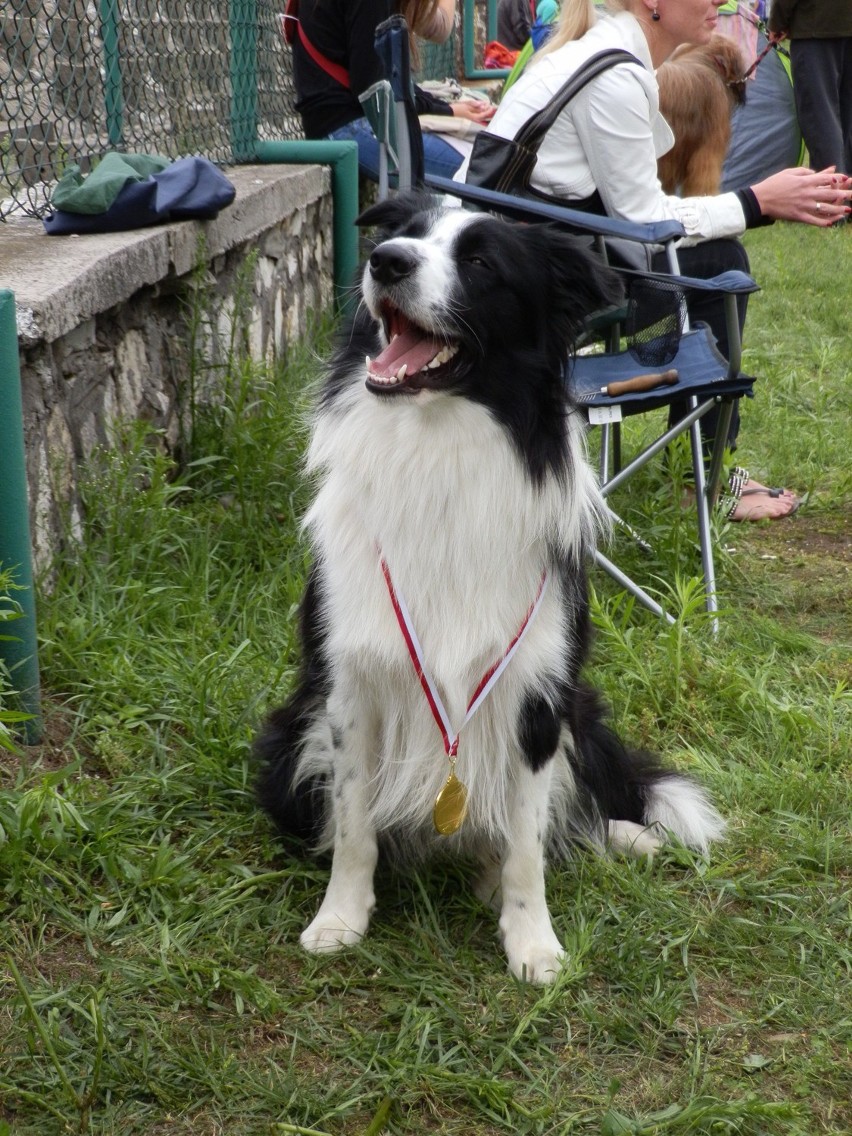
column 732, row 281
column 522, row 208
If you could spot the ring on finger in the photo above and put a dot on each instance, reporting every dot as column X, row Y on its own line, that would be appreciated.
column 819, row 207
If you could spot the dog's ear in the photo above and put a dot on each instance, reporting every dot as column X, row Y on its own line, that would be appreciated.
column 395, row 212
column 727, row 58
column 580, row 282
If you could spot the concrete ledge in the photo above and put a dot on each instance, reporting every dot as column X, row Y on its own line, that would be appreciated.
column 60, row 282
column 144, row 325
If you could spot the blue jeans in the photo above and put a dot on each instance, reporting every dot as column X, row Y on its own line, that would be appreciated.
column 439, row 156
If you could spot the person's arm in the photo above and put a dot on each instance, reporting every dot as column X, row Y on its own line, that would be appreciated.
column 615, row 130
column 780, row 17
column 612, row 117
column 427, row 103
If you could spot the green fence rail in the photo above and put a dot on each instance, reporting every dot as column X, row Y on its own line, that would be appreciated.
column 18, row 645
column 173, row 77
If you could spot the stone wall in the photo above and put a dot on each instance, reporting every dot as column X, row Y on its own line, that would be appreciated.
column 108, row 325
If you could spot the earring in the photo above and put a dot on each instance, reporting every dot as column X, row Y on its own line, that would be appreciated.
column 655, row 15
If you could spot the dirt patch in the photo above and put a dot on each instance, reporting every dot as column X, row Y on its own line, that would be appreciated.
column 54, row 750
column 801, row 569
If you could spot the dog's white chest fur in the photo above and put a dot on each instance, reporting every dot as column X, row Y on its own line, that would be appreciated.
column 433, row 485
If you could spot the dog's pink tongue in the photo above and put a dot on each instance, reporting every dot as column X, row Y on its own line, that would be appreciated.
column 410, row 347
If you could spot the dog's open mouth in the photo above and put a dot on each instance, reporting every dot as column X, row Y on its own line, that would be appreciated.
column 414, row 359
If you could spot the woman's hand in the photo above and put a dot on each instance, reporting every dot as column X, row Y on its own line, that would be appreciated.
column 477, row 110
column 817, row 197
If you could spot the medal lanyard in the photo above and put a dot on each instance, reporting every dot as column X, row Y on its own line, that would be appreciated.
column 486, row 683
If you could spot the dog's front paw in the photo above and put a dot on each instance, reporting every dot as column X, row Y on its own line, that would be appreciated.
column 538, row 963
column 331, row 931
column 533, row 957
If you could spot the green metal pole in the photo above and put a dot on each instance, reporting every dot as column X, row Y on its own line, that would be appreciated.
column 471, row 71
column 342, row 157
column 242, row 17
column 113, row 94
column 19, row 652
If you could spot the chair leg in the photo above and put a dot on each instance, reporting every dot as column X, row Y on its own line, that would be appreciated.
column 704, row 486
column 629, row 529
column 603, row 461
column 630, row 586
column 705, row 536
column 616, row 447
column 714, row 472
column 651, row 451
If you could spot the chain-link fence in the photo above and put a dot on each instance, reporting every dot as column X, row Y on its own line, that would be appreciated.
column 80, row 77
column 174, row 77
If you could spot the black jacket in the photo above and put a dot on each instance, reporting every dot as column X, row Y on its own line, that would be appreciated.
column 343, row 31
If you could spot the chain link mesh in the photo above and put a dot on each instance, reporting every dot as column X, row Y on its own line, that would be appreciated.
column 656, row 317
column 79, row 78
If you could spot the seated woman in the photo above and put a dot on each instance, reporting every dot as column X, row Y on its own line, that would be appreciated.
column 601, row 155
column 341, row 33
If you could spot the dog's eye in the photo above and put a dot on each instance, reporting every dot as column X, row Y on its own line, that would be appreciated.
column 478, row 262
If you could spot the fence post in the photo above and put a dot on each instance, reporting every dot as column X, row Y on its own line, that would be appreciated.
column 471, row 71
column 242, row 20
column 20, row 651
column 342, row 157
column 113, row 93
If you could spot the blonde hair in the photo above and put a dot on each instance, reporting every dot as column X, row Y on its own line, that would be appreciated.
column 576, row 18
column 420, row 15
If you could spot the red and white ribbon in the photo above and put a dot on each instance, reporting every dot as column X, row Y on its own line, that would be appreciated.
column 486, row 683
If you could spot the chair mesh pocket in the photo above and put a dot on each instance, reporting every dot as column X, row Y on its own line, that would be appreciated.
column 656, row 316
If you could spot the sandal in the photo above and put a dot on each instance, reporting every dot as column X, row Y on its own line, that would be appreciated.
column 738, row 488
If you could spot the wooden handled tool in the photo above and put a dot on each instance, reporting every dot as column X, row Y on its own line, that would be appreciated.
column 641, row 383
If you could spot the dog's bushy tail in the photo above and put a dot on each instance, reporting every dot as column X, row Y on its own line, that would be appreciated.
column 296, row 802
column 621, row 784
column 296, row 808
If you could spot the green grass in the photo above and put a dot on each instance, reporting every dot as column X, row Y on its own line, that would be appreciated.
column 152, row 981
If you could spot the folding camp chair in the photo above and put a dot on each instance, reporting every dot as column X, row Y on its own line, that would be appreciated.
column 389, row 108
column 661, row 336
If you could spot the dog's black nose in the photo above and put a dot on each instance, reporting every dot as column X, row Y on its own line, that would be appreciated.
column 390, row 263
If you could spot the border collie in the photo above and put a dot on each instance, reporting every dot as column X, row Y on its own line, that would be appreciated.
column 445, row 621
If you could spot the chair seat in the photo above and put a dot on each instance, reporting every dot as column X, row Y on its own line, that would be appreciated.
column 702, row 371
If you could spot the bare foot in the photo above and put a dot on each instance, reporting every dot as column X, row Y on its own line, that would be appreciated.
column 760, row 503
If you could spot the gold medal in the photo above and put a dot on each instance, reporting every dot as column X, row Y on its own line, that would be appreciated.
column 450, row 806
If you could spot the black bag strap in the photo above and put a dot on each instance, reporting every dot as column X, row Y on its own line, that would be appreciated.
column 534, row 129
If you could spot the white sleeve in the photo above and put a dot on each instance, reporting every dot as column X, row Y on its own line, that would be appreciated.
column 613, row 118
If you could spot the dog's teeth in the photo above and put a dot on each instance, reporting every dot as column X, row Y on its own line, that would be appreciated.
column 402, row 372
column 368, row 362
column 444, row 355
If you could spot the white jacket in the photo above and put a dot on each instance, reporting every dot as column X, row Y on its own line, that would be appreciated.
column 609, row 136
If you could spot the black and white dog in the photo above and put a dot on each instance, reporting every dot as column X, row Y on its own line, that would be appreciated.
column 446, row 621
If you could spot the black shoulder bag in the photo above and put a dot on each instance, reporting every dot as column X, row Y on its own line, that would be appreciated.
column 506, row 164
